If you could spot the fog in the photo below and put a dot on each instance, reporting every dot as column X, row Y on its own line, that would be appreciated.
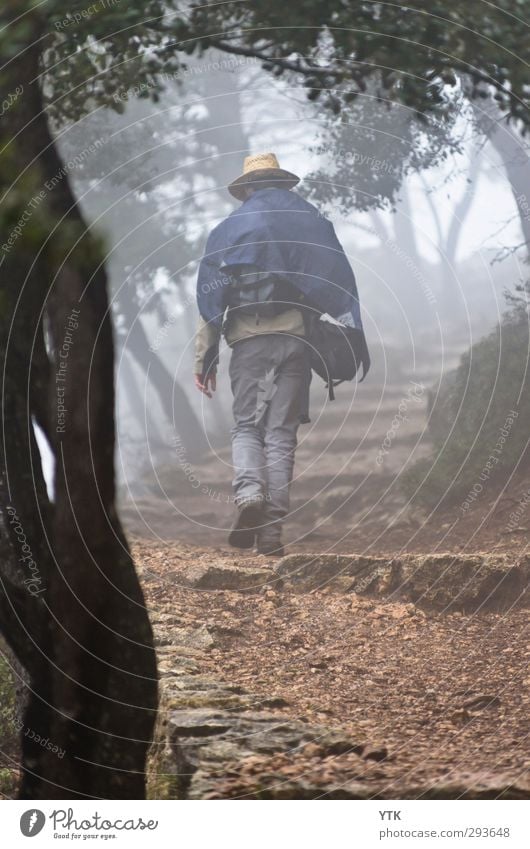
column 430, row 260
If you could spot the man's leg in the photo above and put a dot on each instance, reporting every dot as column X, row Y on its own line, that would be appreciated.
column 248, row 366
column 281, row 425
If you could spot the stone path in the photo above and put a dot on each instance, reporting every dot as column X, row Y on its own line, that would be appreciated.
column 218, row 740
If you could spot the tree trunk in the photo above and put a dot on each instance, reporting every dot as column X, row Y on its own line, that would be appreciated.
column 461, row 210
column 83, row 634
column 149, row 434
column 516, row 161
column 515, row 155
column 172, row 397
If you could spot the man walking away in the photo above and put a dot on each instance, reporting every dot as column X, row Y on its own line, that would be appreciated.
column 268, row 268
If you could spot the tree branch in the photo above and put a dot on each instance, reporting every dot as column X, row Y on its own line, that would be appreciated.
column 507, row 251
column 277, row 61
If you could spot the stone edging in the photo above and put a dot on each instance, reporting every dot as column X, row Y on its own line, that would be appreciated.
column 207, row 730
column 441, row 581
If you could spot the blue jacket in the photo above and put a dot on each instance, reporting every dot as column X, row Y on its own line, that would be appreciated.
column 277, row 230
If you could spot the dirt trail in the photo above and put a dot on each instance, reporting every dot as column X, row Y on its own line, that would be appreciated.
column 346, row 494
column 344, row 475
column 440, row 700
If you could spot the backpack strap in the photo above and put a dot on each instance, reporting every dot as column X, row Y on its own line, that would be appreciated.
column 331, row 384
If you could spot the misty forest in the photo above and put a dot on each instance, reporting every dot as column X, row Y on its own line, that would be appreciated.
column 385, row 654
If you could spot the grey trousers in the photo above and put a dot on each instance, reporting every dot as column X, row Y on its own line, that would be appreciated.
column 268, row 377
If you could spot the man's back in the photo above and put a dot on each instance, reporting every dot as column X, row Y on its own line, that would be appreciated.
column 277, row 231
column 274, row 251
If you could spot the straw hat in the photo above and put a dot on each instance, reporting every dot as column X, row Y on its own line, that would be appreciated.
column 262, row 167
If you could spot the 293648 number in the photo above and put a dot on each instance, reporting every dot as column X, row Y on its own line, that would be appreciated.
column 488, row 832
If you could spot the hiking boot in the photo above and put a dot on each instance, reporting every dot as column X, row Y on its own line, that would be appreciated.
column 271, row 549
column 249, row 517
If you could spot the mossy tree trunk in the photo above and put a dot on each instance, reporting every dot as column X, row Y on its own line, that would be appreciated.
column 80, row 628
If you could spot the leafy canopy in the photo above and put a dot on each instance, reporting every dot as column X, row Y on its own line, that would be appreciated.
column 415, row 52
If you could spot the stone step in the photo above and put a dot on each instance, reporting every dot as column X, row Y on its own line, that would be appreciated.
column 493, row 582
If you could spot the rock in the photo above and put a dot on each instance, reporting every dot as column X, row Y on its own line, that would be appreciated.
column 165, row 641
column 306, row 572
column 468, row 582
column 199, row 683
column 175, row 666
column 161, row 620
column 221, row 576
column 197, row 638
column 442, row 581
column 198, row 723
column 210, row 699
column 341, row 584
column 337, row 743
column 206, row 743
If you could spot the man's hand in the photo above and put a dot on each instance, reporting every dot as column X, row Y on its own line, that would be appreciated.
column 208, row 386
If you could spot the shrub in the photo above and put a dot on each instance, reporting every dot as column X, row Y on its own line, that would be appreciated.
column 8, row 782
column 478, row 420
column 8, row 733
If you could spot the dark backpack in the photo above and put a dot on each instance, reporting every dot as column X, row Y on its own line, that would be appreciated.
column 259, row 293
column 337, row 352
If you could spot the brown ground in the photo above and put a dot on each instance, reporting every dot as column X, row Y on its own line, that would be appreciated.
column 401, row 681
column 342, row 499
column 406, row 681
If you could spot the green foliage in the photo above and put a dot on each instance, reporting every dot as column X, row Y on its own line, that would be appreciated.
column 8, row 733
column 358, row 59
column 474, row 444
column 92, row 50
column 415, row 52
column 8, row 782
column 371, row 148
column 8, row 729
